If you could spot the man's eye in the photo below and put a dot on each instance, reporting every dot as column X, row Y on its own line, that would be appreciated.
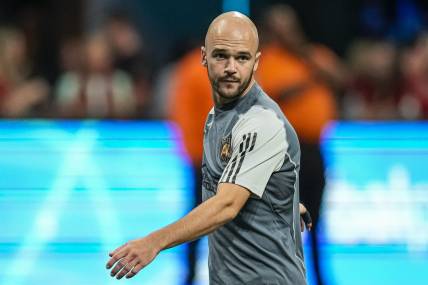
column 219, row 56
column 242, row 58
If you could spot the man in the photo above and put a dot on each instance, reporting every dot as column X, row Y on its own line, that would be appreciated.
column 250, row 175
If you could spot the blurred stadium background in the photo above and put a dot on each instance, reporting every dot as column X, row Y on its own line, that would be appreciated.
column 100, row 111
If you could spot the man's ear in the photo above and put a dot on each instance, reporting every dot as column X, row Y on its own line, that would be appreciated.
column 204, row 56
column 256, row 64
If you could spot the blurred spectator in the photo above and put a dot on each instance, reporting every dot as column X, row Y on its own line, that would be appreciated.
column 90, row 85
column 414, row 66
column 130, row 56
column 21, row 93
column 375, row 89
column 72, row 55
column 161, row 92
column 302, row 77
column 190, row 102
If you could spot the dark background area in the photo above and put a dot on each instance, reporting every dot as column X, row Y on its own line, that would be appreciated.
column 169, row 27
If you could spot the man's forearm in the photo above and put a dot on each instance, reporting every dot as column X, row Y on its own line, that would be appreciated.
column 205, row 218
column 202, row 220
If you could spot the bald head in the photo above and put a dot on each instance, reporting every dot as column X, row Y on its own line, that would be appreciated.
column 231, row 28
column 231, row 56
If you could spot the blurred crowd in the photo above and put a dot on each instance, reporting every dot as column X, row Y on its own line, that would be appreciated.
column 103, row 75
column 108, row 74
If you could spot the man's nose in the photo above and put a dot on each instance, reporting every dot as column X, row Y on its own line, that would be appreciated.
column 230, row 66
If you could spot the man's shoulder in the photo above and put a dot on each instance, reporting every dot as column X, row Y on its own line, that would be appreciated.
column 262, row 109
column 258, row 119
column 262, row 114
column 265, row 115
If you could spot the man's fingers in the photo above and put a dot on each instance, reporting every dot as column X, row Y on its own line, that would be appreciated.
column 127, row 268
column 115, row 258
column 307, row 219
column 121, row 264
column 305, row 216
column 135, row 270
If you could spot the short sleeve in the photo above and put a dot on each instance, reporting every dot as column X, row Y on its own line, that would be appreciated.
column 258, row 149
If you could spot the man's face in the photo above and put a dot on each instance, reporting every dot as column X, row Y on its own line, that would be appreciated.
column 230, row 63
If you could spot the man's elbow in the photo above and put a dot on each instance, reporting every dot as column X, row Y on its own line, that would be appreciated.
column 230, row 199
column 229, row 211
column 230, row 214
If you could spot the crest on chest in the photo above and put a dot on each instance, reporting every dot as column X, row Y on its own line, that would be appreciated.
column 226, row 148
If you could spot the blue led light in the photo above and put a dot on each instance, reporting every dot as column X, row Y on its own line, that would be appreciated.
column 72, row 191
column 242, row 6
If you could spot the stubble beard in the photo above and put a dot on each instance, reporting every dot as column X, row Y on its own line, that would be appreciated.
column 226, row 98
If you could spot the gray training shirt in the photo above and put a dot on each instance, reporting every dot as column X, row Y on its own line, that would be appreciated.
column 251, row 143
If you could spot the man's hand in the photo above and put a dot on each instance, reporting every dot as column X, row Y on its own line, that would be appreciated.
column 131, row 257
column 305, row 218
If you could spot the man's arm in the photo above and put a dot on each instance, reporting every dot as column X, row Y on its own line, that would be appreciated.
column 131, row 257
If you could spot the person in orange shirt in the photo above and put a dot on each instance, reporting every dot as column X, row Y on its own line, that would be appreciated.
column 189, row 103
column 301, row 77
